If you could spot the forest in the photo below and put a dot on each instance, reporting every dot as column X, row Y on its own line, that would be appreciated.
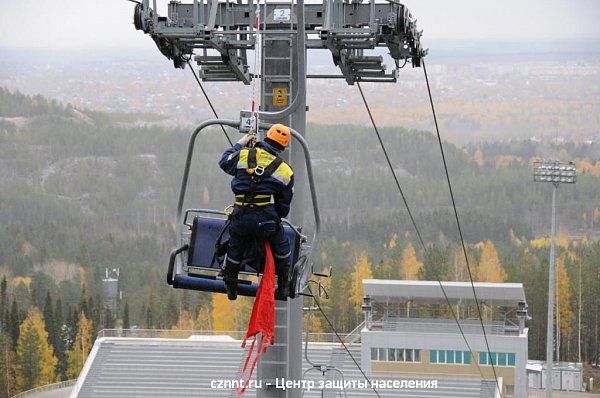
column 82, row 191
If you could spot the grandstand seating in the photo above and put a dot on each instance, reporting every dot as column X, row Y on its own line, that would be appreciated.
column 135, row 367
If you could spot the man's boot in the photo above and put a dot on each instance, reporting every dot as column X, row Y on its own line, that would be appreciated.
column 231, row 288
column 282, row 287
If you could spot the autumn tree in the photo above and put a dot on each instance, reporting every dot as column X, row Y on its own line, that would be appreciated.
column 410, row 267
column 565, row 309
column 7, row 358
column 35, row 363
column 185, row 321
column 490, row 269
column 362, row 270
column 478, row 157
column 13, row 322
column 229, row 315
column 203, row 320
column 81, row 347
column 126, row 316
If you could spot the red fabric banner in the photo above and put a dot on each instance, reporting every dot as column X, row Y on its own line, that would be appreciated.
column 262, row 321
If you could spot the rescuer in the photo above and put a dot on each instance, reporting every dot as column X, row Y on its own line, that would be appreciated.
column 262, row 184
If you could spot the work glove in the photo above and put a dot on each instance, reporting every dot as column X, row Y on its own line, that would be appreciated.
column 245, row 140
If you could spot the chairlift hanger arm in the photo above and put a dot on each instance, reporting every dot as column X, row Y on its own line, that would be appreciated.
column 263, row 126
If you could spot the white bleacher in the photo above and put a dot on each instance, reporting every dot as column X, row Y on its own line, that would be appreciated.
column 135, row 367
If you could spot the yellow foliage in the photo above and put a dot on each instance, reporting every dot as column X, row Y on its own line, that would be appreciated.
column 81, row 347
column 460, row 272
column 508, row 160
column 586, row 167
column 203, row 320
column 544, row 242
column 35, row 363
column 229, row 315
column 533, row 160
column 490, row 269
column 563, row 155
column 26, row 248
column 393, row 241
column 25, row 280
column 315, row 326
column 478, row 157
column 514, row 239
column 222, row 313
column 61, row 270
column 565, row 311
column 362, row 270
column 184, row 322
column 410, row 266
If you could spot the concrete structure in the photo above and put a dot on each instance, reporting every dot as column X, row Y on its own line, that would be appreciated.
column 409, row 331
column 112, row 295
column 193, row 367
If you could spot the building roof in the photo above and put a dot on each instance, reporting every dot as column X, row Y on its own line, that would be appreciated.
column 503, row 294
column 155, row 367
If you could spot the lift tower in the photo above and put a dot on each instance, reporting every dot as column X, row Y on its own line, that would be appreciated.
column 217, row 35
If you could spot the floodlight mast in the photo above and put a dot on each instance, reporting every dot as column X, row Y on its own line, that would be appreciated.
column 554, row 172
column 348, row 29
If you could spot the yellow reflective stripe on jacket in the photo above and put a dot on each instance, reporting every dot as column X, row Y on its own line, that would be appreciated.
column 283, row 173
column 241, row 196
column 253, row 204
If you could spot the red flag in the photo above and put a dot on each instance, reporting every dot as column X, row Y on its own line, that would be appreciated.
column 262, row 321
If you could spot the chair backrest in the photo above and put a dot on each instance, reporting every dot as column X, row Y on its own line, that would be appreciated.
column 204, row 234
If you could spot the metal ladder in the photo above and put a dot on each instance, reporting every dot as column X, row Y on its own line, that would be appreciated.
column 278, row 80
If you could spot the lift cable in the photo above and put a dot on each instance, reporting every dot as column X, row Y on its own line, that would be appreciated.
column 341, row 340
column 208, row 100
column 406, row 205
column 462, row 241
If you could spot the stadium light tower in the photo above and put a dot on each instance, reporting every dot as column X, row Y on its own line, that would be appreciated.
column 556, row 173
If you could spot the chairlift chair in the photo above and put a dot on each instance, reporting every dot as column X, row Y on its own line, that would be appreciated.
column 193, row 265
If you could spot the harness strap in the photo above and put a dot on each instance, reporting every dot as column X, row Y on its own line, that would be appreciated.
column 258, row 200
column 255, row 177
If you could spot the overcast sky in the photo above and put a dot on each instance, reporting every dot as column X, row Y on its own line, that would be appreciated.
column 78, row 24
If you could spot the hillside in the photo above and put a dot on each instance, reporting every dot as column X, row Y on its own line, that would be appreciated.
column 81, row 191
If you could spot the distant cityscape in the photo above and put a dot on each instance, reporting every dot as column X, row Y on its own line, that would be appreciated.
column 478, row 97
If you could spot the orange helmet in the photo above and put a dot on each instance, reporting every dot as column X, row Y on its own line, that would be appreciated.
column 280, row 134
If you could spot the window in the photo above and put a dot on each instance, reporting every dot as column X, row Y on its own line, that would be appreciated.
column 466, row 357
column 442, row 356
column 432, row 356
column 396, row 354
column 497, row 358
column 374, row 356
column 392, row 354
column 494, row 358
column 446, row 357
column 483, row 358
column 459, row 356
column 501, row 359
column 511, row 359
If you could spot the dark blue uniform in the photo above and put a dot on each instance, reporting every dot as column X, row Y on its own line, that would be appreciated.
column 258, row 221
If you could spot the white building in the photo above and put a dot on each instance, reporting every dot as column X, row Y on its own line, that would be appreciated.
column 410, row 330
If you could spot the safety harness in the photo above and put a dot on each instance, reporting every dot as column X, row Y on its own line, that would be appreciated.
column 250, row 199
column 257, row 175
